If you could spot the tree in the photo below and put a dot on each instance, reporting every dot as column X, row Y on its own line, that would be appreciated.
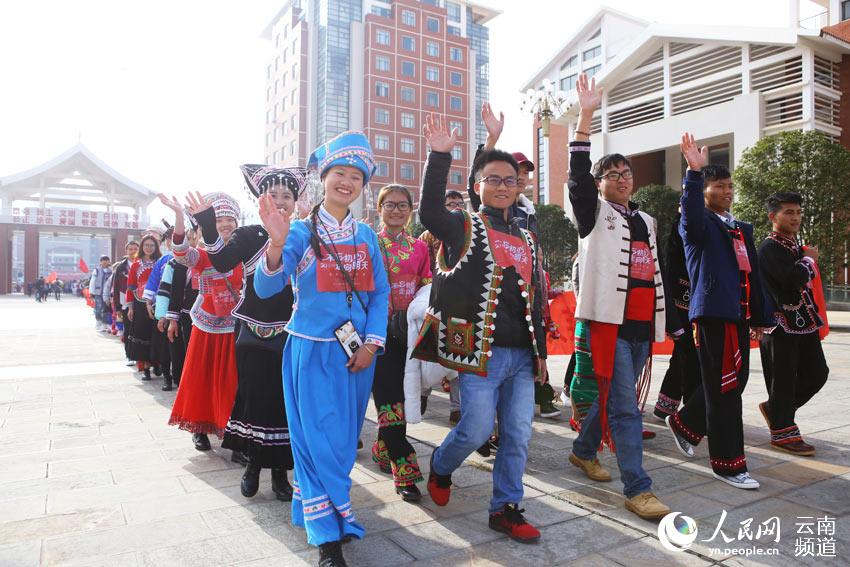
column 558, row 241
column 662, row 203
column 807, row 163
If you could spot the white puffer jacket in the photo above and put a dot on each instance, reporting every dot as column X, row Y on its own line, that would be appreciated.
column 418, row 374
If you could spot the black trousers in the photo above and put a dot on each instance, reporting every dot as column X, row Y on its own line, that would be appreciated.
column 177, row 350
column 161, row 350
column 794, row 371
column 388, row 394
column 710, row 412
column 682, row 377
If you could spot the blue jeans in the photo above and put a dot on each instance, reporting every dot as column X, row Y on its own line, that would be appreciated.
column 98, row 307
column 624, row 419
column 506, row 391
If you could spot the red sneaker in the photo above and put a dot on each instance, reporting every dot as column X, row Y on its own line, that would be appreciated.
column 511, row 522
column 647, row 434
column 439, row 486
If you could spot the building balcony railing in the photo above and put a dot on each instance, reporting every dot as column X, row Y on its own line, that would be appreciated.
column 816, row 22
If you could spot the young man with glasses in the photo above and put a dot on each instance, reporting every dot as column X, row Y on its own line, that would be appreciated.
column 485, row 321
column 622, row 302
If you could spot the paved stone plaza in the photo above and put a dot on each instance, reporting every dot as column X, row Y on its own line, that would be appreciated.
column 91, row 474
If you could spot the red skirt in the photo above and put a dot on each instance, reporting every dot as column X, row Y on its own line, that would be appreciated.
column 208, row 384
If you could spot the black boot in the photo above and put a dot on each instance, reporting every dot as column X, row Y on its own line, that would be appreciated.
column 280, row 484
column 409, row 493
column 147, row 375
column 239, row 458
column 250, row 480
column 330, row 555
column 166, row 382
column 157, row 371
column 201, row 441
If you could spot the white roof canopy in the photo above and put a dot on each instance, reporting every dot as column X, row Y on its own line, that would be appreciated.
column 76, row 177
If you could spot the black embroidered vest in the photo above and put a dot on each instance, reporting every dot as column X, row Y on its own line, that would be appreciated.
column 460, row 322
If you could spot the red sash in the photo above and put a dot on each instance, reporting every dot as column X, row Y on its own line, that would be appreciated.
column 357, row 263
column 740, row 249
column 640, row 304
column 511, row 252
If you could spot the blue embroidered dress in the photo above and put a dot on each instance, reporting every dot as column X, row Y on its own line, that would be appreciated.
column 325, row 402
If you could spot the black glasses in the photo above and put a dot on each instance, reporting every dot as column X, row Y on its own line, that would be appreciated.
column 616, row 175
column 495, row 181
column 401, row 207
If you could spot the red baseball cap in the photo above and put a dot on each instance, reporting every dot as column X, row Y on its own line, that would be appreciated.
column 522, row 160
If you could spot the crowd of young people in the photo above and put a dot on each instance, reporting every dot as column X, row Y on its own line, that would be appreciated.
column 278, row 334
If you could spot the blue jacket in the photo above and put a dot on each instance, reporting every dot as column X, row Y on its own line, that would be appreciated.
column 710, row 259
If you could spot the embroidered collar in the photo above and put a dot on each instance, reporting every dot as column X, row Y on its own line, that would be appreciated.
column 402, row 238
column 629, row 211
column 788, row 243
column 330, row 220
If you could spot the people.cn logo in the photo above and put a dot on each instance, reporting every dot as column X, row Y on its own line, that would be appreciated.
column 677, row 532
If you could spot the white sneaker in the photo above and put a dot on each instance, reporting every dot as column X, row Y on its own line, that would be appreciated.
column 682, row 444
column 565, row 397
column 740, row 480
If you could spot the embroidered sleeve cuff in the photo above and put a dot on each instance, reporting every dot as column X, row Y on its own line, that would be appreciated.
column 375, row 340
column 172, row 316
column 265, row 269
column 809, row 265
column 216, row 246
column 149, row 295
column 579, row 146
column 180, row 249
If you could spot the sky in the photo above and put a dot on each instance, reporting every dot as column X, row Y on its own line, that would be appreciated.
column 171, row 93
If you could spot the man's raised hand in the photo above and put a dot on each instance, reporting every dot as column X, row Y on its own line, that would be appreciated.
column 697, row 157
column 437, row 135
column 589, row 97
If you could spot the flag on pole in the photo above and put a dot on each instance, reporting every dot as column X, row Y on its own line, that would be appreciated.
column 83, row 266
column 51, row 277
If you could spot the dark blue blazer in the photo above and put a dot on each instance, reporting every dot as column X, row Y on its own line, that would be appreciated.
column 710, row 259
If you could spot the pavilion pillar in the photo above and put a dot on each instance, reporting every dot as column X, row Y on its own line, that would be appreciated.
column 119, row 239
column 5, row 258
column 31, row 254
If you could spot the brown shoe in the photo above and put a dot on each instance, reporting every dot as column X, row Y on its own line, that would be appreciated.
column 647, row 506
column 454, row 417
column 800, row 448
column 592, row 469
column 764, row 408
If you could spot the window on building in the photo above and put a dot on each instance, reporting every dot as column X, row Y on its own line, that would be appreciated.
column 382, row 116
column 408, row 120
column 408, row 43
column 456, row 177
column 453, row 9
column 283, row 80
column 456, row 79
column 382, row 169
column 285, row 54
column 592, row 71
column 432, row 74
column 283, row 153
column 453, row 30
column 382, row 63
column 433, row 24
column 407, row 146
column 456, row 103
column 591, row 53
column 845, row 10
column 408, row 18
column 406, row 171
column 382, row 142
column 457, row 153
column 294, row 71
column 382, row 89
column 277, row 63
column 456, row 54
column 292, row 148
column 293, row 123
column 568, row 84
column 432, row 99
column 571, row 62
column 432, row 48
column 269, row 72
column 382, row 37
column 408, row 94
column 380, row 11
column 293, row 97
column 456, row 125
column 408, row 69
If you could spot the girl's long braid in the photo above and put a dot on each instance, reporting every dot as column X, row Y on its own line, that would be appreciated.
column 314, row 242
